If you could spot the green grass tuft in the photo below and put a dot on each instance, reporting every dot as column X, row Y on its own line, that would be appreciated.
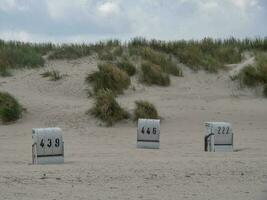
column 126, row 66
column 10, row 109
column 191, row 56
column 165, row 62
column 152, row 74
column 117, row 51
column 106, row 55
column 107, row 109
column 265, row 90
column 252, row 76
column 248, row 76
column 145, row 110
column 70, row 52
column 53, row 74
column 109, row 77
column 20, row 58
column 261, row 60
column 227, row 55
column 4, row 70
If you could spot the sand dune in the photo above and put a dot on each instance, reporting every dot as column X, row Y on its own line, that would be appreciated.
column 103, row 163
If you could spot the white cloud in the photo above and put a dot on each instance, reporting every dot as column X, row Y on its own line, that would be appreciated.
column 7, row 5
column 66, row 9
column 83, row 20
column 13, row 35
column 108, row 8
column 245, row 4
column 14, row 5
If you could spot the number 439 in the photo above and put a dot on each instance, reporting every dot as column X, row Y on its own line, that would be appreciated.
column 49, row 144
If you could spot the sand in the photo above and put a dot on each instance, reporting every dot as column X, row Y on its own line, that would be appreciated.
column 103, row 163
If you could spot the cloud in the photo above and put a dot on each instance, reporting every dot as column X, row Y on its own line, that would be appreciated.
column 89, row 20
column 245, row 4
column 21, row 36
column 108, row 8
column 66, row 9
column 13, row 5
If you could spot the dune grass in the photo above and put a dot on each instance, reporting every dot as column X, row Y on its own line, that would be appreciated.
column 10, row 109
column 254, row 75
column 107, row 109
column 4, row 70
column 70, row 52
column 208, row 58
column 248, row 76
column 207, row 54
column 265, row 90
column 161, row 59
column 152, row 74
column 145, row 110
column 106, row 55
column 15, row 55
column 126, row 65
column 164, row 61
column 109, row 77
column 261, row 65
column 110, row 53
column 20, row 57
column 54, row 75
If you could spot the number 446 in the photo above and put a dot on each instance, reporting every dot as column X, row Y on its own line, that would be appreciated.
column 154, row 130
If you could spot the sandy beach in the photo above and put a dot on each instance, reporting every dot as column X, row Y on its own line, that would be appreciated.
column 103, row 162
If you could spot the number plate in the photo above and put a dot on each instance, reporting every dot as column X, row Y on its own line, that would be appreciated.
column 223, row 134
column 48, row 141
column 148, row 130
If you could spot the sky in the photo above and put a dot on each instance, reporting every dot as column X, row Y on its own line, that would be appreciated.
column 93, row 20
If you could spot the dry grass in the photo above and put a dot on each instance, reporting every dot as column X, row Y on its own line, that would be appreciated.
column 152, row 74
column 107, row 109
column 109, row 77
column 145, row 110
column 10, row 109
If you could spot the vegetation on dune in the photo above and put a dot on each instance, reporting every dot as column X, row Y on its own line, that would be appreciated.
column 18, row 57
column 145, row 109
column 208, row 54
column 107, row 109
column 156, row 59
column 164, row 61
column 10, row 109
column 106, row 55
column 70, row 52
column 265, row 90
column 160, row 58
column 254, row 75
column 126, row 65
column 117, row 51
column 152, row 74
column 248, row 76
column 4, row 70
column 110, row 53
column 109, row 77
column 39, row 48
column 261, row 60
column 53, row 74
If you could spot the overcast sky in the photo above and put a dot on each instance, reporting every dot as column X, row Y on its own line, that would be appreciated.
column 92, row 20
